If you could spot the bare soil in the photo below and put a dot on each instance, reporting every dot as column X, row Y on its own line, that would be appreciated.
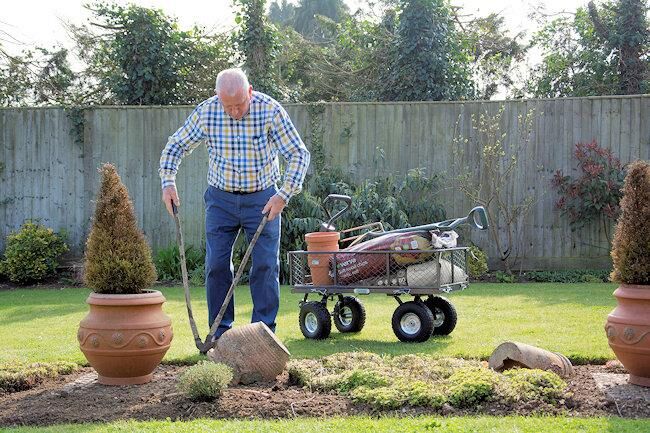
column 79, row 398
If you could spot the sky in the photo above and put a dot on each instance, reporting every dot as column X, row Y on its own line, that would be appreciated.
column 39, row 22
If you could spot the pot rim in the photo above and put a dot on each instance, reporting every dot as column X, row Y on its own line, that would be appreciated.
column 148, row 296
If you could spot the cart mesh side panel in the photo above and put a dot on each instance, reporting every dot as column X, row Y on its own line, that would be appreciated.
column 427, row 271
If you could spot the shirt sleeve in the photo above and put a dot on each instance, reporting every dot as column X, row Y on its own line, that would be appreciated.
column 180, row 144
column 286, row 137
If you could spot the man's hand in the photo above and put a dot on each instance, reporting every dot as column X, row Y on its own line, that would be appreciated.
column 169, row 195
column 274, row 207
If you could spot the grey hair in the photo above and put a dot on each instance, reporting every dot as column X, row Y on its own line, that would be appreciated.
column 231, row 81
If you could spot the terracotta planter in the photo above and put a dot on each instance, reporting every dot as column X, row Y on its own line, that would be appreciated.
column 124, row 337
column 319, row 264
column 628, row 331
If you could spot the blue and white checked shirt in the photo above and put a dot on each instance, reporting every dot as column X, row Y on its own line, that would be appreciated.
column 243, row 153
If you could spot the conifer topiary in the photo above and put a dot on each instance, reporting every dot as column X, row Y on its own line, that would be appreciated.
column 631, row 245
column 117, row 258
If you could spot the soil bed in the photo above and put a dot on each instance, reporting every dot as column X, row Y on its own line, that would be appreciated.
column 79, row 398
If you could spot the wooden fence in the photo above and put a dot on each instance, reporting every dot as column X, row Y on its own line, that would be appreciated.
column 48, row 172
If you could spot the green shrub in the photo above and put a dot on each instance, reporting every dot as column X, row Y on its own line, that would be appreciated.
column 168, row 263
column 379, row 398
column 594, row 196
column 504, row 277
column 20, row 377
column 476, row 262
column 117, row 257
column 205, row 381
column 422, row 393
column 631, row 245
column 569, row 276
column 472, row 386
column 358, row 378
column 533, row 385
column 31, row 254
column 197, row 276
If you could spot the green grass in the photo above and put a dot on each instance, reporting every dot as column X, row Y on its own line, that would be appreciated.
column 41, row 324
column 366, row 425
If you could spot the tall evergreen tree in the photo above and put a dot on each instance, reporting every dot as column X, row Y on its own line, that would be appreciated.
column 256, row 40
column 429, row 64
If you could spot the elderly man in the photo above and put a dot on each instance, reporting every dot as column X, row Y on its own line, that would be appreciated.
column 244, row 131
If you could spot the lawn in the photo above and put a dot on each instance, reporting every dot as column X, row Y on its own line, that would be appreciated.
column 41, row 324
column 366, row 425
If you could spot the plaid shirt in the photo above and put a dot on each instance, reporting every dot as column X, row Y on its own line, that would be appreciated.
column 243, row 153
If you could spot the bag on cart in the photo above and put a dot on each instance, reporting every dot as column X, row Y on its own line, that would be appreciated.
column 352, row 265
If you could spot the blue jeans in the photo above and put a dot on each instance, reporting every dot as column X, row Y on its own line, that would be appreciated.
column 225, row 213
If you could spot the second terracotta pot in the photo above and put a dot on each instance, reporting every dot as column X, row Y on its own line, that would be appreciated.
column 628, row 331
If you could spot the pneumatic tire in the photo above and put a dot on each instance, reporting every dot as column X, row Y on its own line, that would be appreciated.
column 315, row 321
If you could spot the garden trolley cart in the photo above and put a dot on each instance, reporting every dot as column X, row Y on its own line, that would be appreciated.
column 420, row 262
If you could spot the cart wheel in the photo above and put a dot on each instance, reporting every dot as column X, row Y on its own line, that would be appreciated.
column 412, row 322
column 444, row 315
column 349, row 315
column 315, row 322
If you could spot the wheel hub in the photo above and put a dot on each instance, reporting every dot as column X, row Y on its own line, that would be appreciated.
column 438, row 317
column 345, row 316
column 311, row 322
column 410, row 323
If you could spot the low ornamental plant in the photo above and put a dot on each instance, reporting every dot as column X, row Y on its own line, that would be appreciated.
column 32, row 253
column 205, row 381
column 595, row 194
column 631, row 244
column 117, row 258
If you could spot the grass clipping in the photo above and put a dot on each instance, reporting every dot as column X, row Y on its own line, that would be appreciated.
column 385, row 382
column 118, row 258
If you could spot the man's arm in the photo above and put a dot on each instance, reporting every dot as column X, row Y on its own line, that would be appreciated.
column 180, row 144
column 293, row 150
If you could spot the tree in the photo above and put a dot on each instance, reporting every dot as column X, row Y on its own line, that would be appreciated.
column 597, row 51
column 15, row 81
column 309, row 13
column 496, row 164
column 55, row 79
column 117, row 256
column 627, row 37
column 257, row 43
column 282, row 13
column 140, row 57
column 493, row 53
column 429, row 64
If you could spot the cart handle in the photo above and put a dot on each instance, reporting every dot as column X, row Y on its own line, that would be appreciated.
column 476, row 218
column 328, row 227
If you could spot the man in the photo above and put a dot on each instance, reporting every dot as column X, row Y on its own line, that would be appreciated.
column 244, row 131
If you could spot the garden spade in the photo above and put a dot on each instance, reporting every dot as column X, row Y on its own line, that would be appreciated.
column 252, row 351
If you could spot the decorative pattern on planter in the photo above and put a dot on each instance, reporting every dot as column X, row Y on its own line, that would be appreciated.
column 116, row 340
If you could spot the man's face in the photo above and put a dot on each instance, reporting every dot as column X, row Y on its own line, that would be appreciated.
column 237, row 105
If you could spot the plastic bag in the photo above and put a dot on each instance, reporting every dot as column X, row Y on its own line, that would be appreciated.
column 446, row 239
